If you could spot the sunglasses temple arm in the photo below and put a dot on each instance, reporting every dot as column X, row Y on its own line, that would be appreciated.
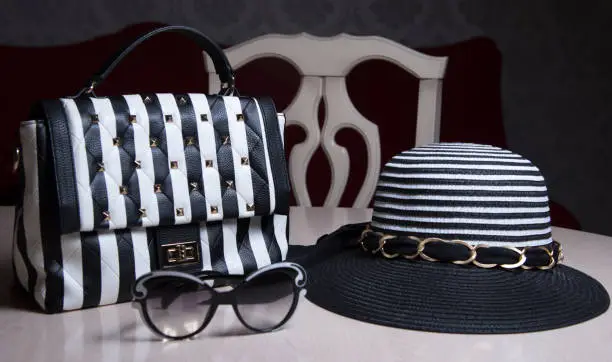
column 208, row 301
column 167, row 300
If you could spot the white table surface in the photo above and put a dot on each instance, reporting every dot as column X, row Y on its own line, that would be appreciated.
column 116, row 333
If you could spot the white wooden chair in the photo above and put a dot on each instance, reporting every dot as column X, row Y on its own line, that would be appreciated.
column 324, row 63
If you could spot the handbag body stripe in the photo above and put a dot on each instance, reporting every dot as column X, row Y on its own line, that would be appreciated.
column 111, row 184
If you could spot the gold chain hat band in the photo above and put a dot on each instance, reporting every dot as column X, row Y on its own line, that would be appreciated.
column 460, row 252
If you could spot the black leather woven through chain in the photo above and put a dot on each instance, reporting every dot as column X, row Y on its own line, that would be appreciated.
column 540, row 257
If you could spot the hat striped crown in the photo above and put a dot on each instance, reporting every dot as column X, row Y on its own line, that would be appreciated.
column 480, row 194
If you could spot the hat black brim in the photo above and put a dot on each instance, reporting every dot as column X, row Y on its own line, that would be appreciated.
column 449, row 298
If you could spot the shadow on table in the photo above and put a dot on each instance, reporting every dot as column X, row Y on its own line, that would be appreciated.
column 13, row 296
column 127, row 333
column 236, row 331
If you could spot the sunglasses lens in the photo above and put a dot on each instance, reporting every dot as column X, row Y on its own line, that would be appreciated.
column 177, row 308
column 266, row 301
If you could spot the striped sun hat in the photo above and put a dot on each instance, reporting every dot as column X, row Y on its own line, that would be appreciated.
column 477, row 193
column 459, row 241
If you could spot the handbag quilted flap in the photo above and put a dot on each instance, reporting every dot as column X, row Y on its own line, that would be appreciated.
column 166, row 159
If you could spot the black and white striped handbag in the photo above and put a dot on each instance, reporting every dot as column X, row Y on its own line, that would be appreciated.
column 114, row 187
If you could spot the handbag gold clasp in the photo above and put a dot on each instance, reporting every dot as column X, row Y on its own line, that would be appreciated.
column 180, row 253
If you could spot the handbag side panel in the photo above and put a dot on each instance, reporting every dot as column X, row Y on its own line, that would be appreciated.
column 36, row 228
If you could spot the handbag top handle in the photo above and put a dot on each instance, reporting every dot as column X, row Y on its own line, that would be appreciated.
column 222, row 64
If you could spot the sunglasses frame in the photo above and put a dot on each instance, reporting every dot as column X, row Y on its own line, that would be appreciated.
column 140, row 293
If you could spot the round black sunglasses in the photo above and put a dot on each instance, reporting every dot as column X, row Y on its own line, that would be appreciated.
column 178, row 305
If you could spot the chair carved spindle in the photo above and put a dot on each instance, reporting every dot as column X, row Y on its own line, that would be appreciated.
column 323, row 63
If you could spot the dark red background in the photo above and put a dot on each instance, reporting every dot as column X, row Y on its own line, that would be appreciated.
column 381, row 91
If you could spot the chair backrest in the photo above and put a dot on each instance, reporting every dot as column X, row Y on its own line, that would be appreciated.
column 323, row 63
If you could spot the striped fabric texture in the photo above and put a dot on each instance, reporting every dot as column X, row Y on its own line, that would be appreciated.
column 174, row 159
column 480, row 194
column 140, row 164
